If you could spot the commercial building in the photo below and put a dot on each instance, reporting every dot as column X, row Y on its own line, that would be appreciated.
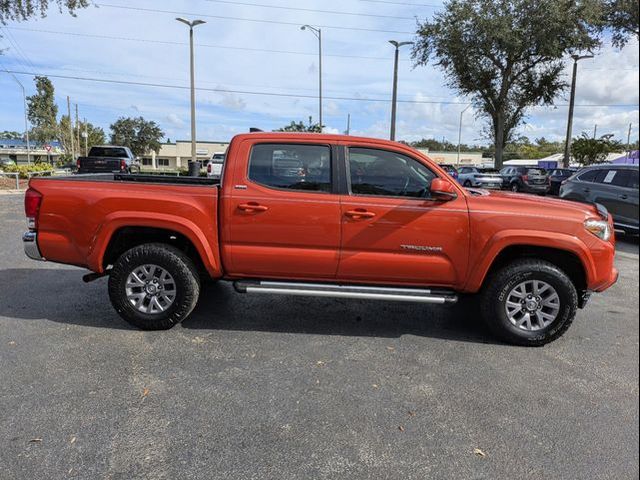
column 16, row 151
column 174, row 155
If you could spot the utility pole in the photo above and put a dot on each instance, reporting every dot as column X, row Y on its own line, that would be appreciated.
column 77, row 130
column 629, row 141
column 595, row 130
column 85, row 134
column 192, row 24
column 394, row 93
column 73, row 152
column 318, row 33
column 348, row 130
column 460, row 132
column 567, row 144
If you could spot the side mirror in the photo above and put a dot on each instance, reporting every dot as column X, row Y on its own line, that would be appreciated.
column 443, row 190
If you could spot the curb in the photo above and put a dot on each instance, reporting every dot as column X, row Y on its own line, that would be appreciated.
column 11, row 192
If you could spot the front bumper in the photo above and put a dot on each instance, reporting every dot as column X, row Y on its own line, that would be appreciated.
column 30, row 243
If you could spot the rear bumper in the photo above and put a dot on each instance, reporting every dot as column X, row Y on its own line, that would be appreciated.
column 30, row 243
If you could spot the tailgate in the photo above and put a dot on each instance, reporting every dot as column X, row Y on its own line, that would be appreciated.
column 99, row 164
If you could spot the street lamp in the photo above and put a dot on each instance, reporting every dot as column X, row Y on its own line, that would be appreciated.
column 192, row 24
column 394, row 97
column 318, row 33
column 567, row 144
column 26, row 124
column 460, row 132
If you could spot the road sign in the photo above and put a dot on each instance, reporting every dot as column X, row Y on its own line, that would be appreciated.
column 47, row 148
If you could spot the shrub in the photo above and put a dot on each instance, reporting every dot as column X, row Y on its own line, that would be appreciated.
column 24, row 170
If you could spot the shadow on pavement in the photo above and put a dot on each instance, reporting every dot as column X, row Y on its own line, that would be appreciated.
column 60, row 296
column 627, row 243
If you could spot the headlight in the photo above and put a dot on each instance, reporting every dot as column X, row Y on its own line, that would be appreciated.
column 600, row 228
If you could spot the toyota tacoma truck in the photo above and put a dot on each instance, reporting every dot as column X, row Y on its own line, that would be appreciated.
column 328, row 216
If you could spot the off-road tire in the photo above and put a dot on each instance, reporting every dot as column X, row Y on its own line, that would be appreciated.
column 500, row 283
column 175, row 262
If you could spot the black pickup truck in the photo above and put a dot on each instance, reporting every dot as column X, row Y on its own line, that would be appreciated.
column 108, row 159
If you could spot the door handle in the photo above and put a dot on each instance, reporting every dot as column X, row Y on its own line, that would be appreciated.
column 252, row 207
column 587, row 190
column 359, row 213
column 624, row 197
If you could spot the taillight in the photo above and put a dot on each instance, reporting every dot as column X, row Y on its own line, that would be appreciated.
column 209, row 168
column 525, row 178
column 78, row 163
column 32, row 201
column 123, row 165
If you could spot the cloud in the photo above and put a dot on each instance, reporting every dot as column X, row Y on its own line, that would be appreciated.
column 174, row 120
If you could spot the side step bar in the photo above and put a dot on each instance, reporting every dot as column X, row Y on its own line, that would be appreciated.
column 347, row 291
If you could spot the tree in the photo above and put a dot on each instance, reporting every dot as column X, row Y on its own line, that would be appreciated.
column 42, row 111
column 506, row 55
column 137, row 133
column 11, row 135
column 301, row 127
column 622, row 18
column 20, row 10
column 587, row 151
column 95, row 135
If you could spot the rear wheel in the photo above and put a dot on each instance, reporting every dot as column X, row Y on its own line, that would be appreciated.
column 529, row 302
column 515, row 187
column 154, row 286
column 467, row 184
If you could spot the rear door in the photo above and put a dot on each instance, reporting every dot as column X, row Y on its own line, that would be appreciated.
column 618, row 191
column 283, row 219
column 392, row 231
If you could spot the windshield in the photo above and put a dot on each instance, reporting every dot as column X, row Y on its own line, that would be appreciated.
column 108, row 152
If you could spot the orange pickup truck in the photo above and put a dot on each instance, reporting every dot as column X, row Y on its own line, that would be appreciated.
column 331, row 216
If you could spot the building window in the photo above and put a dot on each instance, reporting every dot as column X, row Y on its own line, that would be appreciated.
column 147, row 161
column 163, row 162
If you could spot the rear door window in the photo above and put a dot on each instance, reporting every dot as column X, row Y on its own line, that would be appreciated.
column 589, row 176
column 291, row 166
column 632, row 181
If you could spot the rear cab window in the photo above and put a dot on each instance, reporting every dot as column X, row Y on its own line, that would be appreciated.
column 291, row 166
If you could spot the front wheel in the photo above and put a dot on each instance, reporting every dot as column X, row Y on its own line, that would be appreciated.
column 154, row 286
column 515, row 187
column 529, row 302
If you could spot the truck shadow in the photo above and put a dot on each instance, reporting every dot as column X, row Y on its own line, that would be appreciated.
column 58, row 295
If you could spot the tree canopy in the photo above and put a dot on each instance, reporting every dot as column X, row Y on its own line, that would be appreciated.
column 20, row 10
column 138, row 134
column 42, row 111
column 11, row 135
column 506, row 55
column 622, row 18
column 301, row 127
column 588, row 151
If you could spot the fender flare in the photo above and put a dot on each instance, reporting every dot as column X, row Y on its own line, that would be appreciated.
column 523, row 238
column 117, row 220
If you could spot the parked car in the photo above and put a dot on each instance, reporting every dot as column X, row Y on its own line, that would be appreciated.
column 525, row 179
column 214, row 166
column 481, row 178
column 363, row 218
column 557, row 176
column 108, row 159
column 450, row 169
column 614, row 186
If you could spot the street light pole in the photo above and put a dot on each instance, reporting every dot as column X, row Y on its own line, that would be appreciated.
column 318, row 33
column 394, row 95
column 460, row 132
column 567, row 144
column 26, row 123
column 192, row 24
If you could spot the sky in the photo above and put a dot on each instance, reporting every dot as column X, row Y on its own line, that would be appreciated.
column 257, row 46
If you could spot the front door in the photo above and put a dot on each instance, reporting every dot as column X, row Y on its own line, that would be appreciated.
column 392, row 231
column 283, row 218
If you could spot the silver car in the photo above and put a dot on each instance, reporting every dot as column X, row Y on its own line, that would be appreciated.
column 479, row 178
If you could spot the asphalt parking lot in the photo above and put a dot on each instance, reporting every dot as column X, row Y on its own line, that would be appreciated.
column 272, row 387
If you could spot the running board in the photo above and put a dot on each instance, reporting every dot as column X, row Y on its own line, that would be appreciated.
column 347, row 291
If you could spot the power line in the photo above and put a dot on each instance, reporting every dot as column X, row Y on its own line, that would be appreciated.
column 169, row 42
column 254, row 20
column 286, row 95
column 299, row 9
column 22, row 57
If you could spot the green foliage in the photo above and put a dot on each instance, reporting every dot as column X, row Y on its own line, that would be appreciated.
column 588, row 151
column 506, row 55
column 42, row 111
column 19, row 10
column 11, row 135
column 95, row 134
column 138, row 134
column 24, row 170
column 622, row 18
column 301, row 127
